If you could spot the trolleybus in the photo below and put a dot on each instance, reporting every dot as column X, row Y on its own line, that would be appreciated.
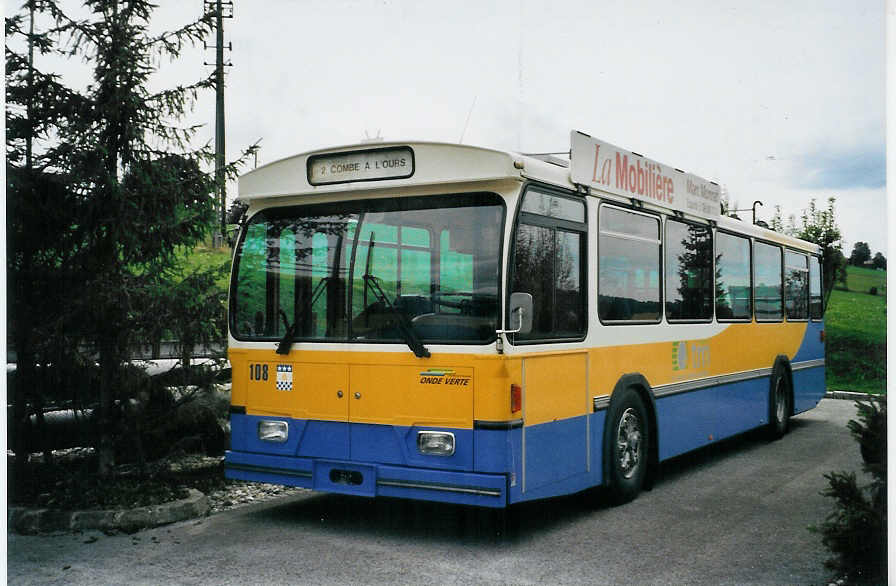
column 451, row 323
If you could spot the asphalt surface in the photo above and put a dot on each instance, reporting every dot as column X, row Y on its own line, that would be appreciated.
column 735, row 513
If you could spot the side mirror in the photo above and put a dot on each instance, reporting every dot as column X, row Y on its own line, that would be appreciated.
column 520, row 314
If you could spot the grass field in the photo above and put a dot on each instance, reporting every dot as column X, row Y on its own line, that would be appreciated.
column 862, row 280
column 205, row 256
column 856, row 330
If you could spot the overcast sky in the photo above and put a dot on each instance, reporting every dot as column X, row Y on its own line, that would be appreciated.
column 777, row 101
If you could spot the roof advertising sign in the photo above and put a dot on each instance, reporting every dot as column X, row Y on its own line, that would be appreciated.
column 608, row 168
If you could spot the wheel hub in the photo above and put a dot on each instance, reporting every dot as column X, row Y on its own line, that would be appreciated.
column 628, row 442
column 780, row 401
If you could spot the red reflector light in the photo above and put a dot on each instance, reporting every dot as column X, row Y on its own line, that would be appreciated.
column 821, row 336
column 516, row 398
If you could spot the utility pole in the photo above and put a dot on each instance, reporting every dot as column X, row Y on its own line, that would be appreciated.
column 28, row 106
column 218, row 7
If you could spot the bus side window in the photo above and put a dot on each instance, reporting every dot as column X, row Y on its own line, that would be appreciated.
column 688, row 271
column 733, row 279
column 796, row 285
column 768, row 282
column 816, row 301
column 629, row 267
column 548, row 263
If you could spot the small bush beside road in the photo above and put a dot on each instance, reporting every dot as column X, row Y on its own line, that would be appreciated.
column 856, row 531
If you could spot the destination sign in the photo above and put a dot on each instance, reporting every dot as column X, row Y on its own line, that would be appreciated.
column 609, row 168
column 366, row 165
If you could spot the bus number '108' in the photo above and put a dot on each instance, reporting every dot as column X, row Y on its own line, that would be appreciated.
column 258, row 372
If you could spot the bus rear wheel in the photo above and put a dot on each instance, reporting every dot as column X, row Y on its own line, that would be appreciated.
column 626, row 446
column 780, row 403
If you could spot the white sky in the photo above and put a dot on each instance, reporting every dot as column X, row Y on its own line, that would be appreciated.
column 777, row 101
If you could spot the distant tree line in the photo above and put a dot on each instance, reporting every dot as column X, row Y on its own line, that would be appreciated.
column 861, row 256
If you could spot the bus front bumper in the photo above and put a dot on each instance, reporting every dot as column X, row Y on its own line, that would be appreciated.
column 369, row 479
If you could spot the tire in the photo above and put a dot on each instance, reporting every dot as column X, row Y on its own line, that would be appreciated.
column 780, row 402
column 626, row 446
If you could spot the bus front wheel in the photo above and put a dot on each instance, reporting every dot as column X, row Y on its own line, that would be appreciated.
column 626, row 446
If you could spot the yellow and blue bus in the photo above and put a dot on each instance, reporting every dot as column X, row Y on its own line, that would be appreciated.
column 451, row 323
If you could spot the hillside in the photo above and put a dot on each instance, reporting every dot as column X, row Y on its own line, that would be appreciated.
column 856, row 329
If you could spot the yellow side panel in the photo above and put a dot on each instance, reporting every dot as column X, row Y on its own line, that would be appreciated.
column 399, row 389
column 494, row 375
column 555, row 387
column 240, row 377
column 755, row 346
column 739, row 348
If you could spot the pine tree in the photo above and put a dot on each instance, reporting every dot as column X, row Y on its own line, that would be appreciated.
column 856, row 531
column 40, row 241
column 130, row 182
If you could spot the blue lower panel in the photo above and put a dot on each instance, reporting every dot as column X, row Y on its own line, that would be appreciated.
column 692, row 420
column 561, row 457
column 362, row 479
column 808, row 388
column 555, row 451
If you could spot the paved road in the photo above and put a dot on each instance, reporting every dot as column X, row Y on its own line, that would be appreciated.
column 736, row 513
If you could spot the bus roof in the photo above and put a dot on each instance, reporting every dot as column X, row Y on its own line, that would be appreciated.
column 377, row 166
column 390, row 165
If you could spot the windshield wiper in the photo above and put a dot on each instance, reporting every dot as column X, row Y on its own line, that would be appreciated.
column 287, row 339
column 407, row 330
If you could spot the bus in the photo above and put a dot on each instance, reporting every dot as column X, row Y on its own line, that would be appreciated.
column 452, row 323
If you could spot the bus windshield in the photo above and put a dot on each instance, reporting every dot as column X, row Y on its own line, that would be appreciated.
column 369, row 270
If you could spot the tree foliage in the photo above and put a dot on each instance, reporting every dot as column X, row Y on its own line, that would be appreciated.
column 104, row 188
column 861, row 252
column 777, row 222
column 819, row 225
column 879, row 261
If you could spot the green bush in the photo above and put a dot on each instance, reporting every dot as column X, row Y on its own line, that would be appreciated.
column 856, row 531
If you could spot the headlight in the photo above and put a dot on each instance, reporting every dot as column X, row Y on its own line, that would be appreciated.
column 435, row 443
column 273, row 431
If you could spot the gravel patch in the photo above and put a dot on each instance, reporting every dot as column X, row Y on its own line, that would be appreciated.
column 238, row 493
column 234, row 493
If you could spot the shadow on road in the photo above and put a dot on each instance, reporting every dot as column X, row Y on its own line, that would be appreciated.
column 420, row 520
column 744, row 443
